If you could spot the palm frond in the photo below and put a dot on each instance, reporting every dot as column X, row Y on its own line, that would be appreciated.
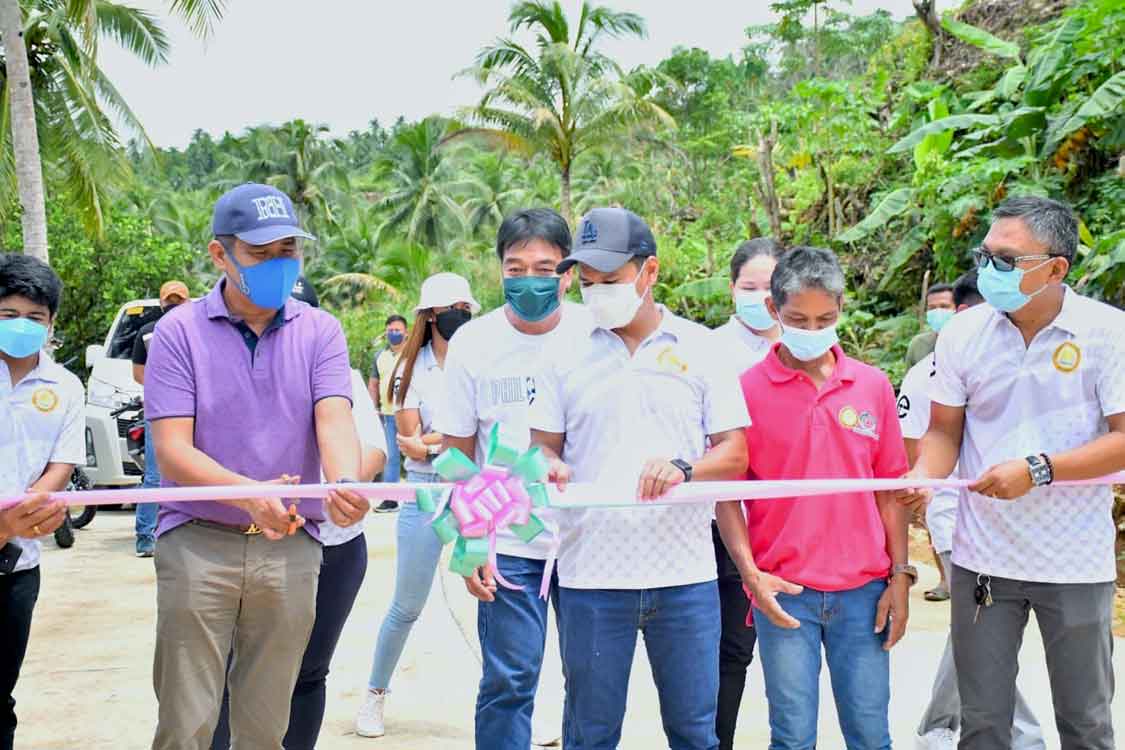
column 135, row 30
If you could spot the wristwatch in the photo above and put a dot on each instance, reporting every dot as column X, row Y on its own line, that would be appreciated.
column 433, row 449
column 1041, row 470
column 908, row 569
column 683, row 466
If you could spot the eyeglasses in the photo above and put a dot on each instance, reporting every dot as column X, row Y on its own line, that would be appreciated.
column 1001, row 263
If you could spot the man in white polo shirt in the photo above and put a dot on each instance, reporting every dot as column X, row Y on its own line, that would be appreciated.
column 41, row 440
column 491, row 377
column 633, row 406
column 1030, row 390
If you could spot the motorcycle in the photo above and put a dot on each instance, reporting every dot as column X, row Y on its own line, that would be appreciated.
column 77, row 516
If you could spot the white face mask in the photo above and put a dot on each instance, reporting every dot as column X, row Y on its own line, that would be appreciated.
column 613, row 305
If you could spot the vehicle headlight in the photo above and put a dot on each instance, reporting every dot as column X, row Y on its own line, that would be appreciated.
column 91, row 454
column 105, row 395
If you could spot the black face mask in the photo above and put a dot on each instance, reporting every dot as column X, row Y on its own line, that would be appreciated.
column 449, row 321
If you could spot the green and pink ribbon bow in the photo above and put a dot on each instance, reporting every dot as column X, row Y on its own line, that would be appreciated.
column 484, row 501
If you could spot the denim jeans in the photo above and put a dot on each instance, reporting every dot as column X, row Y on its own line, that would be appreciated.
column 681, row 627
column 513, row 634
column 843, row 623
column 394, row 458
column 146, row 512
column 417, row 552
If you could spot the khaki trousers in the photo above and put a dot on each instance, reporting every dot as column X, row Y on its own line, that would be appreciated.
column 219, row 590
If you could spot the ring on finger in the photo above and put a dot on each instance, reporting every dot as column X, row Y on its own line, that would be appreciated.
column 35, row 528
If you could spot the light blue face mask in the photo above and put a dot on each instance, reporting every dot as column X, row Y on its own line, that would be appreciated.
column 21, row 337
column 750, row 307
column 269, row 283
column 1001, row 289
column 937, row 318
column 809, row 345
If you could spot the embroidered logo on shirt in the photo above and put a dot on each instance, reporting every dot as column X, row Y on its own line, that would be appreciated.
column 861, row 423
column 45, row 400
column 866, row 424
column 669, row 361
column 848, row 417
column 1067, row 357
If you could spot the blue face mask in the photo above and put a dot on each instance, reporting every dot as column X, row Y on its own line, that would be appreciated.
column 750, row 307
column 395, row 337
column 20, row 337
column 532, row 298
column 1001, row 289
column 937, row 318
column 269, row 283
column 808, row 345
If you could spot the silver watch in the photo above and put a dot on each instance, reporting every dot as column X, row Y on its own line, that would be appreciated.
column 1041, row 473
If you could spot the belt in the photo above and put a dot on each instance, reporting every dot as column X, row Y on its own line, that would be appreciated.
column 251, row 530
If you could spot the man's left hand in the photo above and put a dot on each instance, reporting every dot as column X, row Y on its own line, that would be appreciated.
column 345, row 507
column 658, row 477
column 1006, row 481
column 894, row 605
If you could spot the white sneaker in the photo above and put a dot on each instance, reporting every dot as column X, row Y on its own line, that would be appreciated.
column 937, row 739
column 369, row 720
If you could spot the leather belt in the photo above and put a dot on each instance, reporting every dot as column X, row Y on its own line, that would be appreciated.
column 251, row 530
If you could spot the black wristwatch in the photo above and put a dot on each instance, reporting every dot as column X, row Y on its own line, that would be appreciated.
column 346, row 480
column 683, row 466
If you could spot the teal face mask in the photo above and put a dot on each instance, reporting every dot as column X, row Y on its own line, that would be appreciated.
column 1001, row 289
column 20, row 337
column 808, row 345
column 532, row 298
column 937, row 318
column 750, row 307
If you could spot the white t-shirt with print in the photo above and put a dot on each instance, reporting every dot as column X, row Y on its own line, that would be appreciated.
column 370, row 429
column 427, row 395
column 744, row 347
column 1049, row 397
column 914, row 418
column 492, row 376
column 617, row 411
column 41, row 422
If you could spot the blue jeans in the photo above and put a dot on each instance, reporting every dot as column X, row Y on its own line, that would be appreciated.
column 146, row 512
column 513, row 633
column 681, row 627
column 843, row 622
column 417, row 552
column 394, row 459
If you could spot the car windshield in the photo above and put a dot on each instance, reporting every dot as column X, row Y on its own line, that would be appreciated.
column 121, row 347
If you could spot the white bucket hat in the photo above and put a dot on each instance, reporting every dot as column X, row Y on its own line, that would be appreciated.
column 445, row 290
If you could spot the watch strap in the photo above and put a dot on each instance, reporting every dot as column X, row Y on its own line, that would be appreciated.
column 683, row 466
column 906, row 569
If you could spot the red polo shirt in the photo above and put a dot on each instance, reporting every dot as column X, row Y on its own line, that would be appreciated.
column 848, row 429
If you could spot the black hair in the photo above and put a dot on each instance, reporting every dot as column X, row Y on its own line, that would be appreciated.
column 25, row 276
column 527, row 224
column 938, row 289
column 751, row 249
column 965, row 290
column 1050, row 222
column 395, row 319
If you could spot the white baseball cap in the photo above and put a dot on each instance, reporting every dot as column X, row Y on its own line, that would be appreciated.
column 445, row 290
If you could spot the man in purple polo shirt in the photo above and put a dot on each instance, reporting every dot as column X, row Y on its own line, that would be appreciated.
column 244, row 386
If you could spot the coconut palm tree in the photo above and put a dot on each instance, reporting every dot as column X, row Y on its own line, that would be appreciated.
column 62, row 39
column 565, row 97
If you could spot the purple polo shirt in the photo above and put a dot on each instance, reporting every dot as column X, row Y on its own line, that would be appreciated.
column 253, row 411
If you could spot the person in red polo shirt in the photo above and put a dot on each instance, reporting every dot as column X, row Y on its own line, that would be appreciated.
column 825, row 572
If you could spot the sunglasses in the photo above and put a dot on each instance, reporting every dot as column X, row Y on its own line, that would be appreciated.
column 1001, row 263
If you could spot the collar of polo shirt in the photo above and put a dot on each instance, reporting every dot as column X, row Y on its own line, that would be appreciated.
column 779, row 373
column 216, row 307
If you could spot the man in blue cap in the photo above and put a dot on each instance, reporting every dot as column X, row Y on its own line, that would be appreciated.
column 245, row 386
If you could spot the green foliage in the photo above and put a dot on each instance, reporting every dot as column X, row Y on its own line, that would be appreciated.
column 980, row 38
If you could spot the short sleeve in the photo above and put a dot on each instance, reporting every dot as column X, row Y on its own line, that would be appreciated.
column 459, row 417
column 170, row 373
column 332, row 373
column 70, row 446
column 367, row 422
column 914, row 402
column 947, row 386
column 141, row 344
column 1111, row 378
column 890, row 461
column 413, row 397
column 724, row 406
column 547, row 412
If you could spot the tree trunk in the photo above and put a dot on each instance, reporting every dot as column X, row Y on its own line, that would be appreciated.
column 25, row 137
column 925, row 11
column 830, row 190
column 566, row 209
column 765, row 168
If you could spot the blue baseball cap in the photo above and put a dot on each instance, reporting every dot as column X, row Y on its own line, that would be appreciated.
column 257, row 215
column 607, row 238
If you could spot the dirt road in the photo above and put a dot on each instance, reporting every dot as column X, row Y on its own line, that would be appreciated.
column 87, row 680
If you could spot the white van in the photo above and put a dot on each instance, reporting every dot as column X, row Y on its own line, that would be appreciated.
column 110, row 385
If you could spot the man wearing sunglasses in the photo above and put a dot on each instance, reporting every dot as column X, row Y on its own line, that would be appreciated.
column 1029, row 390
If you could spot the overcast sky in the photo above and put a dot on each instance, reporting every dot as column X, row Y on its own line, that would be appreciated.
column 344, row 62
